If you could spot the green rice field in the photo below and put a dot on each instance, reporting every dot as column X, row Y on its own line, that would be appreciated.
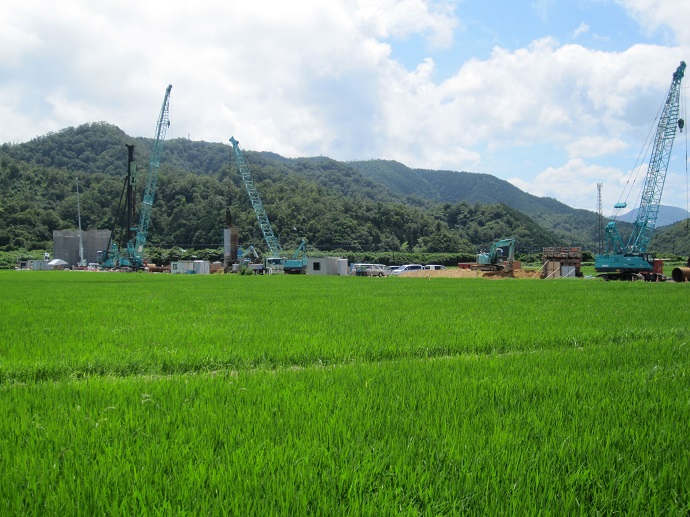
column 142, row 394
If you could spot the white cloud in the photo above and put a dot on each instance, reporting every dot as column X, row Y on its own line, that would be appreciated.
column 590, row 146
column 16, row 42
column 402, row 18
column 568, row 97
column 581, row 29
column 575, row 183
column 64, row 108
column 313, row 77
column 655, row 15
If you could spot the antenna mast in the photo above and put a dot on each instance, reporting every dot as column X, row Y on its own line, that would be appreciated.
column 82, row 262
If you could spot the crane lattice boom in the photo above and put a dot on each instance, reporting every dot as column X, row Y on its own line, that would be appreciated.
column 658, row 166
column 136, row 248
column 270, row 238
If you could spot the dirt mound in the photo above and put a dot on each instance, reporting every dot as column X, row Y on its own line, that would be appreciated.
column 467, row 273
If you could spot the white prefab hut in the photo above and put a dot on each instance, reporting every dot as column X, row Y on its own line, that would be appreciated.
column 327, row 266
column 190, row 267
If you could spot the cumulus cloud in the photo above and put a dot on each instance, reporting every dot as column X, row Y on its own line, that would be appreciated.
column 655, row 15
column 402, row 18
column 590, row 146
column 575, row 183
column 316, row 77
column 566, row 96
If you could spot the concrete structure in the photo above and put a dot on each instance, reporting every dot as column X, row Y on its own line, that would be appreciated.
column 66, row 245
column 230, row 246
column 190, row 267
column 561, row 262
column 327, row 266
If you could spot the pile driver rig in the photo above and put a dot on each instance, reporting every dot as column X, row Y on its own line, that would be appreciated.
column 130, row 255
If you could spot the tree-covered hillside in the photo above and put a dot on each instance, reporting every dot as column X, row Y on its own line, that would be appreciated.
column 332, row 204
column 672, row 240
column 576, row 227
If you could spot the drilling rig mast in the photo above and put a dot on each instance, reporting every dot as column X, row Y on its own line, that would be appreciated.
column 133, row 255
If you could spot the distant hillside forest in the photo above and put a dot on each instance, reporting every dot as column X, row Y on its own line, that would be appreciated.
column 353, row 209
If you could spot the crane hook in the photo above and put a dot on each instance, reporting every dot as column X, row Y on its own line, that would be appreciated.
column 681, row 124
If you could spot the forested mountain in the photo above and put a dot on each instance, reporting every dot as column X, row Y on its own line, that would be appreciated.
column 577, row 227
column 673, row 240
column 334, row 205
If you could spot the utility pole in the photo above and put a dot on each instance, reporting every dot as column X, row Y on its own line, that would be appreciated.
column 600, row 219
column 82, row 262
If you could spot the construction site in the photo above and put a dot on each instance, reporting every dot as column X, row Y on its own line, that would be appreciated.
column 123, row 247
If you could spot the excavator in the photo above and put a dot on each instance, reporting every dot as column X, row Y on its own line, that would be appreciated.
column 500, row 257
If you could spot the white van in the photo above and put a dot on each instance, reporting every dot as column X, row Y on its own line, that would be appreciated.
column 406, row 269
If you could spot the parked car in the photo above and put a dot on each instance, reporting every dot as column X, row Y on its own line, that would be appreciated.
column 377, row 270
column 406, row 269
column 365, row 269
column 434, row 267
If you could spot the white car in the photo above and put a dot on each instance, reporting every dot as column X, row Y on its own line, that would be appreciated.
column 406, row 269
column 434, row 267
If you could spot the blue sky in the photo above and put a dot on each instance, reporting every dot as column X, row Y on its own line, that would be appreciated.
column 554, row 96
column 596, row 24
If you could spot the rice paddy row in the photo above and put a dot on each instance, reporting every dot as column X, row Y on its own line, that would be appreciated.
column 69, row 325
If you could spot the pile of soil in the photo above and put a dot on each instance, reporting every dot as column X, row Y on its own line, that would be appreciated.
column 467, row 273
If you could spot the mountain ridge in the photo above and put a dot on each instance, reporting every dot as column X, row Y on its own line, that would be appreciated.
column 667, row 216
column 376, row 204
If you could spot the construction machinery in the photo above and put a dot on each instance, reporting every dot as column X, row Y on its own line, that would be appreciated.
column 248, row 256
column 130, row 256
column 630, row 261
column 276, row 261
column 297, row 264
column 500, row 257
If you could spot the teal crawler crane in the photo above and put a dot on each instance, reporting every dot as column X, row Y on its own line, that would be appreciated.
column 630, row 261
column 275, row 261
